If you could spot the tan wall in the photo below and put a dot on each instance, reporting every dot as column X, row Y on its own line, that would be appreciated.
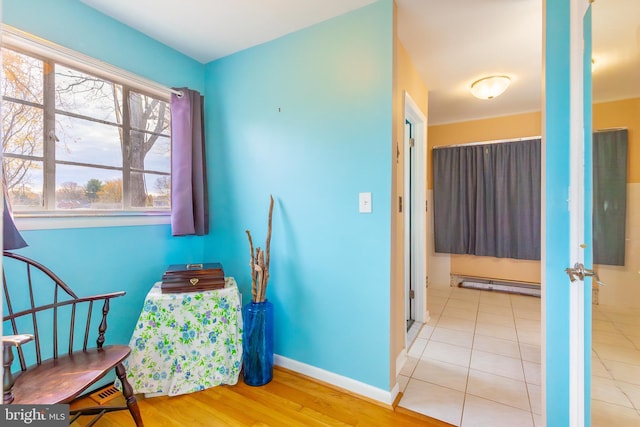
column 405, row 78
column 623, row 282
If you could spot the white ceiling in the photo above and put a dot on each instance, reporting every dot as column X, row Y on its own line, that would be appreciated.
column 452, row 43
column 210, row 29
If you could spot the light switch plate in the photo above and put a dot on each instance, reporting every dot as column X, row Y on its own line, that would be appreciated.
column 365, row 202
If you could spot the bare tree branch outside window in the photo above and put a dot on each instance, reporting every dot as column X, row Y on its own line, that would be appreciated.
column 75, row 141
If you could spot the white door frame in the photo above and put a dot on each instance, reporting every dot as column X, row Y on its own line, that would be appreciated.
column 413, row 114
column 576, row 213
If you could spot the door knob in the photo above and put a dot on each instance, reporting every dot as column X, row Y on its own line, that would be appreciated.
column 579, row 272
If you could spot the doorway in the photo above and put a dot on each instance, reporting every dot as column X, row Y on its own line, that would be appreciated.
column 413, row 206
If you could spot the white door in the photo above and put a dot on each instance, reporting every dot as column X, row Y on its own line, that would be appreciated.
column 567, row 245
column 409, row 205
column 414, row 210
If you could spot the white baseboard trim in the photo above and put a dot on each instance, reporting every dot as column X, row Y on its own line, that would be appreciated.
column 346, row 383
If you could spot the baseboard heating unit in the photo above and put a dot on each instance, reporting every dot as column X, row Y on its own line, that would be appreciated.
column 498, row 285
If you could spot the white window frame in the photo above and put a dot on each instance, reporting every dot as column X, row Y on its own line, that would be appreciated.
column 20, row 41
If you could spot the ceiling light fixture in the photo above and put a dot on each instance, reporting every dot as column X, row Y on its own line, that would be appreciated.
column 490, row 87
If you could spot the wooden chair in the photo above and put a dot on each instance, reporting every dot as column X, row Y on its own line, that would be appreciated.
column 46, row 313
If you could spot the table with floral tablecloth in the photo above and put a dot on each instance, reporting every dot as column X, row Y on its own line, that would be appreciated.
column 186, row 342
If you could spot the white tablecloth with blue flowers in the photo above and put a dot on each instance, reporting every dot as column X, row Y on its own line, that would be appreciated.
column 186, row 342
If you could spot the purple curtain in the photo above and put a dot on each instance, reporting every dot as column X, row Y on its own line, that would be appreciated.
column 189, row 199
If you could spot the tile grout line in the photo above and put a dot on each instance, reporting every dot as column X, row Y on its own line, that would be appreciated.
column 473, row 340
column 524, row 374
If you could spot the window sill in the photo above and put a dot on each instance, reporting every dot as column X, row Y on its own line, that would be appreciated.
column 58, row 221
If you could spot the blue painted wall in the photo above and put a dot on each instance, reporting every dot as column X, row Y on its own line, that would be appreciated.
column 307, row 118
column 557, row 132
column 96, row 260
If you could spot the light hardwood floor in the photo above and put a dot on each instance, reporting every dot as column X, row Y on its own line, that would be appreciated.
column 290, row 399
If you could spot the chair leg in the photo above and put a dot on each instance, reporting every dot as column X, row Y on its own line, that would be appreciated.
column 132, row 403
column 7, row 379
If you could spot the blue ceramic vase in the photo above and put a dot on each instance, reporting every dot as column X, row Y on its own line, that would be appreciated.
column 257, row 343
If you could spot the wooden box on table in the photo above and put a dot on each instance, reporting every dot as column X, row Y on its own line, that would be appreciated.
column 192, row 277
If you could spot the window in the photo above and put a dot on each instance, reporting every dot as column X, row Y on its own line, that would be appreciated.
column 609, row 196
column 486, row 199
column 76, row 143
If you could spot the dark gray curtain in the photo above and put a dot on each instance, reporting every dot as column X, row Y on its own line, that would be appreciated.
column 189, row 198
column 609, row 196
column 487, row 199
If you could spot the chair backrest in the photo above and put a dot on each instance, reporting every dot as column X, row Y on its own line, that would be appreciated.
column 38, row 302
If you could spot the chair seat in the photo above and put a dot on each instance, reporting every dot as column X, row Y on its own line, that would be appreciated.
column 63, row 379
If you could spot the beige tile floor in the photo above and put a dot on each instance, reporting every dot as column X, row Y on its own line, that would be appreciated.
column 477, row 362
column 615, row 380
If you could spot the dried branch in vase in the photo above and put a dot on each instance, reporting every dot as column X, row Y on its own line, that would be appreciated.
column 260, row 263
